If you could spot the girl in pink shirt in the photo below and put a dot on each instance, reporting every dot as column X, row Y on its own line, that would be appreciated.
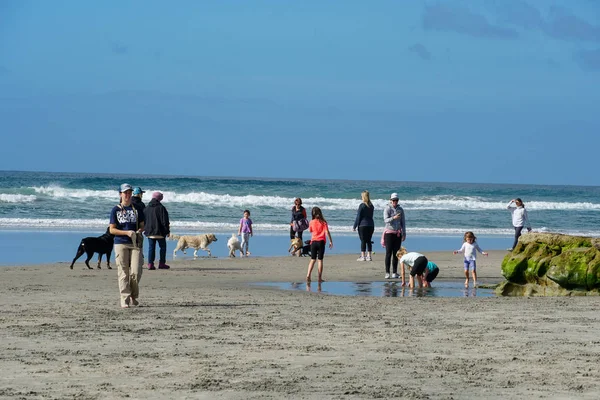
column 320, row 231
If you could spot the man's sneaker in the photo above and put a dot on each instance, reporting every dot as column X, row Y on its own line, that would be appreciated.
column 387, row 276
column 368, row 258
column 151, row 266
column 395, row 276
column 361, row 258
column 163, row 266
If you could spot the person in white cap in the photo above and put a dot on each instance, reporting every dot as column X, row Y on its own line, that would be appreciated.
column 394, row 234
column 126, row 223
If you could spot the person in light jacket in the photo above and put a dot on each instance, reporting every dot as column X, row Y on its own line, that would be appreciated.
column 394, row 234
column 519, row 219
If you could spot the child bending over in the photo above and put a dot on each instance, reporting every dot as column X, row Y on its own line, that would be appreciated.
column 430, row 273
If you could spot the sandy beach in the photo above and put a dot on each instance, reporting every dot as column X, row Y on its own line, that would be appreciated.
column 204, row 332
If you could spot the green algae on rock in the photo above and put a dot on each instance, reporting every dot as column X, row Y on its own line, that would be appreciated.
column 550, row 264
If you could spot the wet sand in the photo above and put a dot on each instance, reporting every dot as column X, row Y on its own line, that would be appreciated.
column 203, row 332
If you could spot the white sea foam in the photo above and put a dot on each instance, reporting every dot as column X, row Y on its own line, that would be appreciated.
column 62, row 193
column 280, row 202
column 17, row 198
column 61, row 223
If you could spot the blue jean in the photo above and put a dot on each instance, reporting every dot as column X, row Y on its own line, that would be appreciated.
column 245, row 243
column 162, row 244
column 518, row 230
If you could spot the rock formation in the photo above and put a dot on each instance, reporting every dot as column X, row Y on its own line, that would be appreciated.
column 550, row 264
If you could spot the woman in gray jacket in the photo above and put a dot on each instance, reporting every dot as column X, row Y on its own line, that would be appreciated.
column 393, row 235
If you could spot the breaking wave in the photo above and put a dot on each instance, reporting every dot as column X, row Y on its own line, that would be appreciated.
column 281, row 202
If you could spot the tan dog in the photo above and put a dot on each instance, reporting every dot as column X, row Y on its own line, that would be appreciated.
column 234, row 244
column 199, row 242
column 296, row 244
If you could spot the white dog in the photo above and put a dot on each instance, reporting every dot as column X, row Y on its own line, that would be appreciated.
column 199, row 242
column 234, row 244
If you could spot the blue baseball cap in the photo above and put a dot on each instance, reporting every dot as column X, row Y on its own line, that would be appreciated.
column 125, row 187
column 138, row 190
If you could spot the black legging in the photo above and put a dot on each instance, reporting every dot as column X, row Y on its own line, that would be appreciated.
column 518, row 230
column 365, row 233
column 294, row 234
column 392, row 245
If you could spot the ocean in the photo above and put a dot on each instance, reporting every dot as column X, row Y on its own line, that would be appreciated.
column 54, row 210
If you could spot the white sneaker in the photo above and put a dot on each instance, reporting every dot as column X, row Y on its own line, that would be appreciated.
column 395, row 276
column 368, row 258
column 361, row 258
column 387, row 276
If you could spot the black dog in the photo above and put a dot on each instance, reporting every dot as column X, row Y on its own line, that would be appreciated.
column 306, row 248
column 101, row 245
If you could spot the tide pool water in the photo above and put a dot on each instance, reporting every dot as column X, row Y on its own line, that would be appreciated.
column 384, row 289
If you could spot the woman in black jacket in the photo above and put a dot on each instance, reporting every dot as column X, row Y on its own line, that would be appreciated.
column 366, row 226
column 157, row 229
column 297, row 224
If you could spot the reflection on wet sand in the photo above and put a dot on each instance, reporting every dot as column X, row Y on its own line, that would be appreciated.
column 309, row 287
column 384, row 289
column 470, row 292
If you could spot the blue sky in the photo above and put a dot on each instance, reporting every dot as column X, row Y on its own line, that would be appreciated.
column 498, row 91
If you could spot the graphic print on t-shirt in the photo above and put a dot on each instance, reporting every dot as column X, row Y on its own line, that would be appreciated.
column 125, row 216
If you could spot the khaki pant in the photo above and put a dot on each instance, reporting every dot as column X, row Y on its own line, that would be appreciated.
column 129, row 260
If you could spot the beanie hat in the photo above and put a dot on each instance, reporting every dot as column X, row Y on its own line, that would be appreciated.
column 157, row 195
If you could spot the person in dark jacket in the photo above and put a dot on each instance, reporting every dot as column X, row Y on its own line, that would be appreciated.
column 298, row 219
column 138, row 204
column 157, row 229
column 366, row 226
column 136, row 199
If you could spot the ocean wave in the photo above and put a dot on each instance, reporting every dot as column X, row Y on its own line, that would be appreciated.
column 442, row 203
column 221, row 227
column 52, row 223
column 62, row 193
column 17, row 198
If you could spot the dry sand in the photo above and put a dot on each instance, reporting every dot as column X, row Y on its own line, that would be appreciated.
column 203, row 332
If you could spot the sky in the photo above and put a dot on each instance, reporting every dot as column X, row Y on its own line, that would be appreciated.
column 488, row 91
